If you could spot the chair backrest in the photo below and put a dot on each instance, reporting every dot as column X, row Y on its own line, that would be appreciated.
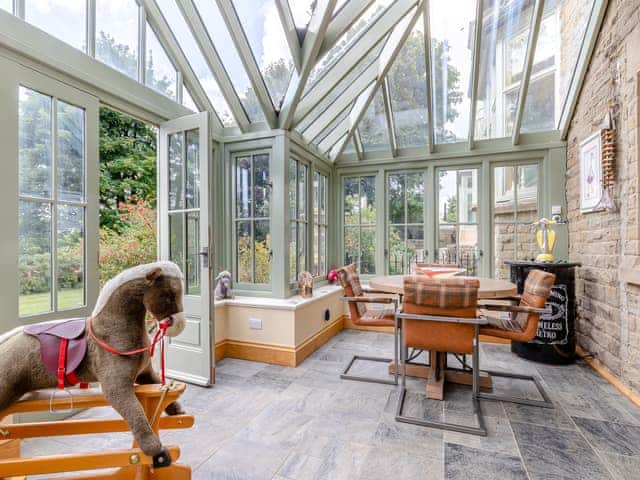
column 350, row 282
column 536, row 292
column 445, row 297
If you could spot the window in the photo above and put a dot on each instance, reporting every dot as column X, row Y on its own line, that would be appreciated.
column 405, row 235
column 161, row 75
column 515, row 208
column 252, row 219
column 117, row 35
column 299, row 223
column 52, row 204
column 360, row 222
column 6, row 5
column 458, row 215
column 320, row 223
column 63, row 19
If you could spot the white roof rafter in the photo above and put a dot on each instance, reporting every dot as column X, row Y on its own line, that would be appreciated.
column 475, row 59
column 236, row 31
column 348, row 14
column 426, row 19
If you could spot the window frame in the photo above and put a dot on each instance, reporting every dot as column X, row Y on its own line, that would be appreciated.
column 320, row 223
column 300, row 219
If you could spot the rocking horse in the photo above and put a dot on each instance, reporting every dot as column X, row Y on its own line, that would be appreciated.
column 111, row 347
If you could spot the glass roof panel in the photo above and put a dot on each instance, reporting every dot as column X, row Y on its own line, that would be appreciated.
column 505, row 31
column 226, row 49
column 373, row 126
column 333, row 124
column 451, row 59
column 61, row 18
column 263, row 28
column 345, row 41
column 160, row 75
column 408, row 89
column 339, row 5
column 117, row 35
column 7, row 5
column 194, row 55
column 350, row 147
column 301, row 11
column 187, row 100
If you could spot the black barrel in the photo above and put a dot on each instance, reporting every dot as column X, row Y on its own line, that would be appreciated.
column 555, row 342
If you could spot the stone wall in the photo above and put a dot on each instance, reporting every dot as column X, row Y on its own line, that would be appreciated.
column 607, row 243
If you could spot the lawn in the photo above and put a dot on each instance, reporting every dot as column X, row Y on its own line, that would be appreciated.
column 41, row 302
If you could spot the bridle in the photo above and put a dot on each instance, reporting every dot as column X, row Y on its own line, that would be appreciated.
column 161, row 326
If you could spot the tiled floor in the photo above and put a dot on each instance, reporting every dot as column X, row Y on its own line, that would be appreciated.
column 270, row 422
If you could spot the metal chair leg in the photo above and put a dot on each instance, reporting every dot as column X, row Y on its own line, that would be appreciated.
column 545, row 403
column 454, row 427
column 345, row 374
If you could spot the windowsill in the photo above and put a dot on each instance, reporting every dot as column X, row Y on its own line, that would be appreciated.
column 291, row 304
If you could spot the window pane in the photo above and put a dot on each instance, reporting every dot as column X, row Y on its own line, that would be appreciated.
column 351, row 245
column 468, row 196
column 316, row 251
column 447, row 197
column 176, row 239
column 396, row 199
column 261, row 23
column 192, row 194
column 504, row 248
column 351, row 200
column 415, row 198
column 527, row 205
column 451, row 50
column 368, row 246
column 7, row 5
column 293, row 252
column 192, row 275
column 301, row 11
column 504, row 193
column 176, row 171
column 368, row 200
column 316, row 197
column 502, row 50
column 160, row 72
column 397, row 258
column 408, row 89
column 34, row 143
column 468, row 251
column 373, row 126
column 63, row 19
column 302, row 247
column 323, row 251
column 293, row 189
column 70, row 256
column 447, row 244
column 243, row 187
column 415, row 247
column 262, row 246
column 243, row 252
column 540, row 109
column 261, row 187
column 70, row 158
column 117, row 35
column 34, row 237
column 302, row 192
column 187, row 100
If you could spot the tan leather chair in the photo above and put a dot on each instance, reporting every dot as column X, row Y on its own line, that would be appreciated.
column 520, row 325
column 437, row 265
column 358, row 298
column 440, row 315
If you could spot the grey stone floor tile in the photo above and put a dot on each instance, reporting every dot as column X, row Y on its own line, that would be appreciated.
column 464, row 463
column 554, row 453
column 300, row 466
column 548, row 417
column 611, row 437
column 622, row 467
column 385, row 462
column 397, row 436
column 499, row 437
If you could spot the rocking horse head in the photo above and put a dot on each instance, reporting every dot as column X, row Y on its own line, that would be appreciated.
column 156, row 288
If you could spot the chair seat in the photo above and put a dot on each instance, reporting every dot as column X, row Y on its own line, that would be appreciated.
column 377, row 317
column 500, row 320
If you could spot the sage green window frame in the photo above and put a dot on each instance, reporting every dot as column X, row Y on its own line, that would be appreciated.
column 298, row 217
column 320, row 249
column 406, row 266
column 373, row 226
column 235, row 156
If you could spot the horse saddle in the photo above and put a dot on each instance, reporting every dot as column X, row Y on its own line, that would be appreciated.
column 63, row 345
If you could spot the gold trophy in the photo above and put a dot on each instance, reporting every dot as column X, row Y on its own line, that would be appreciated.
column 546, row 238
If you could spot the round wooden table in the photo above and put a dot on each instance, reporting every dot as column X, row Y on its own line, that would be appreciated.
column 489, row 287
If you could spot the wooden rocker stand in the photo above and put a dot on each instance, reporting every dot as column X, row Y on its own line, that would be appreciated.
column 130, row 464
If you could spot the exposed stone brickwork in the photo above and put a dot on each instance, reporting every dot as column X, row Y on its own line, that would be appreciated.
column 605, row 243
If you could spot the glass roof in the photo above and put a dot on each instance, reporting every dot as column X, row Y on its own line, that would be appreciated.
column 475, row 89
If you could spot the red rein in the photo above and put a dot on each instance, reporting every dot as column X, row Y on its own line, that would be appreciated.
column 162, row 325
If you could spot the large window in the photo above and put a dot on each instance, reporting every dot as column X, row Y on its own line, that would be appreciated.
column 117, row 35
column 160, row 74
column 252, row 218
column 360, row 222
column 299, row 223
column 515, row 208
column 458, row 216
column 52, row 204
column 320, row 223
column 64, row 19
column 405, row 221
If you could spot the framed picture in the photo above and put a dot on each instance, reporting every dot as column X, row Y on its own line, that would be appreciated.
column 590, row 173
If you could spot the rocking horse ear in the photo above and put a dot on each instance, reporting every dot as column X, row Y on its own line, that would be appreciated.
column 153, row 274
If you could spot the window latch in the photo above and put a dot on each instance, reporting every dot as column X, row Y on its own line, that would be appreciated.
column 204, row 257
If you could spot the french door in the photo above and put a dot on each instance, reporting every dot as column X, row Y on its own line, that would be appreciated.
column 184, row 207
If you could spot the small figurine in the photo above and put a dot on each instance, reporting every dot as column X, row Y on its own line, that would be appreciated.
column 305, row 284
column 223, row 286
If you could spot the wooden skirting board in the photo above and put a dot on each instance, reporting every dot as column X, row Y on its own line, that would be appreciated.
column 604, row 373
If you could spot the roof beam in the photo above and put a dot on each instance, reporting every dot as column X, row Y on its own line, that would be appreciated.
column 584, row 58
column 390, row 51
column 332, row 75
column 334, row 136
column 357, row 143
column 247, row 58
column 290, row 31
column 348, row 14
column 347, row 97
column 310, row 47
column 170, row 43
column 528, row 67
column 475, row 73
column 426, row 20
column 391, row 130
column 210, row 54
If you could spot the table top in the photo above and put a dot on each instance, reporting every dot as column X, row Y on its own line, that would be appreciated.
column 489, row 287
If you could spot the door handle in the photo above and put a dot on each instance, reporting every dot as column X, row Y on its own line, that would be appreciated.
column 204, row 255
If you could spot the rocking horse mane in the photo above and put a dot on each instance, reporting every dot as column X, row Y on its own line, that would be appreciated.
column 134, row 273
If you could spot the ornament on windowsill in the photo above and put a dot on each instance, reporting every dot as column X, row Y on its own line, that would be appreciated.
column 305, row 285
column 608, row 143
column 332, row 276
